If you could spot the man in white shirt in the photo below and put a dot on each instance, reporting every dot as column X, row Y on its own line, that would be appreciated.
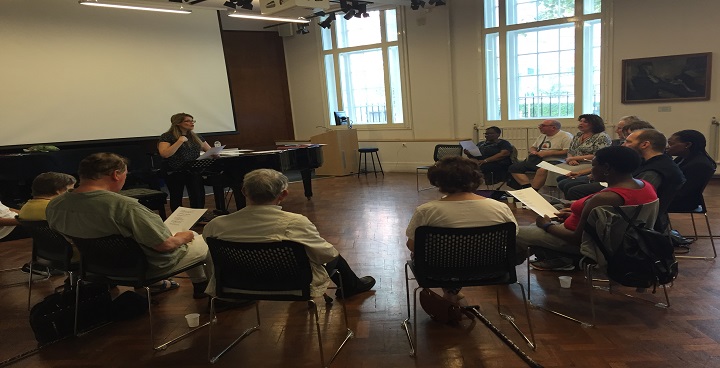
column 263, row 220
column 8, row 223
column 551, row 146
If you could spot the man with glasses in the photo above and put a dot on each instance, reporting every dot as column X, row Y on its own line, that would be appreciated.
column 551, row 146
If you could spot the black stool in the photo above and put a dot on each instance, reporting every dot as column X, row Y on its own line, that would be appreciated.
column 363, row 155
column 150, row 198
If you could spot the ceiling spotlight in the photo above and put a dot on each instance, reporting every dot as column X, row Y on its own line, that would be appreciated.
column 246, row 4
column 344, row 6
column 302, row 29
column 436, row 2
column 327, row 21
column 362, row 11
column 349, row 14
column 228, row 4
column 416, row 4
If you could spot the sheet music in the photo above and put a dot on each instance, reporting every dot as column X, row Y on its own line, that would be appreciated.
column 212, row 151
column 183, row 219
column 534, row 201
column 550, row 167
column 471, row 148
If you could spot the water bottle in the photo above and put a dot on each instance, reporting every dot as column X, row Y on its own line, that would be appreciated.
column 217, row 144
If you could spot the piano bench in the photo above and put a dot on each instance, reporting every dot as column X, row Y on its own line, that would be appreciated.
column 150, row 198
column 373, row 151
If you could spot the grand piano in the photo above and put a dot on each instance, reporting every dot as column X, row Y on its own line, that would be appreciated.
column 17, row 170
column 229, row 170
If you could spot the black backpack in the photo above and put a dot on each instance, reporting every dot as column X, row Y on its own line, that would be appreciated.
column 644, row 259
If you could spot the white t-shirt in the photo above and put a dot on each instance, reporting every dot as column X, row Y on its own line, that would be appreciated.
column 460, row 214
column 6, row 213
column 560, row 141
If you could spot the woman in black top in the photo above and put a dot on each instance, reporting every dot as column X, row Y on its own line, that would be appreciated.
column 696, row 164
column 494, row 156
column 178, row 146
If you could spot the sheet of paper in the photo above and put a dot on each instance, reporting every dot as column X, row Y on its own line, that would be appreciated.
column 534, row 201
column 183, row 219
column 212, row 151
column 471, row 147
column 550, row 167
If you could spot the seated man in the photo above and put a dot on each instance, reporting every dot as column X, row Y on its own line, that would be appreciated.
column 263, row 220
column 95, row 209
column 551, row 146
column 494, row 156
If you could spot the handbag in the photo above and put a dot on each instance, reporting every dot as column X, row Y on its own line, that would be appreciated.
column 441, row 309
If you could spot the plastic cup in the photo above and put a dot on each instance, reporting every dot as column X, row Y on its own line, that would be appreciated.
column 565, row 281
column 519, row 205
column 511, row 199
column 193, row 319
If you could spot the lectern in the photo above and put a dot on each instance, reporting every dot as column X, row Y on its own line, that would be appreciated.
column 339, row 152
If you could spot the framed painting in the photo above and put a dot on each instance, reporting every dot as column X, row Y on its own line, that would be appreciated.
column 667, row 78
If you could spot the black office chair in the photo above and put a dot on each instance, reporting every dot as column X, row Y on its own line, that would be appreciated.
column 463, row 257
column 49, row 249
column 441, row 150
column 264, row 271
column 119, row 260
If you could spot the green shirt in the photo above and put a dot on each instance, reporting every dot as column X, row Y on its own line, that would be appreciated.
column 102, row 213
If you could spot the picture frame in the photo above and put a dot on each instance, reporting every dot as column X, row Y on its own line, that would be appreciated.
column 667, row 78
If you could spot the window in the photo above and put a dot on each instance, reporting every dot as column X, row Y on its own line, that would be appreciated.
column 533, row 47
column 363, row 68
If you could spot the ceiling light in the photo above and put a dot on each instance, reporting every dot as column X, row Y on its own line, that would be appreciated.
column 328, row 20
column 302, row 29
column 236, row 14
column 133, row 7
column 349, row 14
column 416, row 4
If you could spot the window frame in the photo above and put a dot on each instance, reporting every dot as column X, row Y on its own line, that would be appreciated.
column 579, row 19
column 334, row 93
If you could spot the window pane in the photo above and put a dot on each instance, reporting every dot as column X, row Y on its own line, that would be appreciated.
column 391, row 25
column 395, row 85
column 492, row 13
column 363, row 86
column 331, row 87
column 541, row 83
column 525, row 11
column 591, row 66
column 592, row 6
column 358, row 31
column 327, row 38
column 492, row 76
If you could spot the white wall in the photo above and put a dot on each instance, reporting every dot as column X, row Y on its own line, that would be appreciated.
column 444, row 69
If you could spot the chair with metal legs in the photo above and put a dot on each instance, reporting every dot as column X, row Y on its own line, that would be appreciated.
column 441, row 150
column 119, row 260
column 50, row 249
column 278, row 271
column 463, row 257
column 599, row 221
column 702, row 210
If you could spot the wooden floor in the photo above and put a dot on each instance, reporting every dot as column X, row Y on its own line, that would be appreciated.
column 366, row 218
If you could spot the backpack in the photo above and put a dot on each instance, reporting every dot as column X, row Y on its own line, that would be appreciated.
column 644, row 257
column 53, row 318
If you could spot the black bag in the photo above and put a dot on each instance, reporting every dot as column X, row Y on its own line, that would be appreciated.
column 53, row 318
column 644, row 259
column 128, row 305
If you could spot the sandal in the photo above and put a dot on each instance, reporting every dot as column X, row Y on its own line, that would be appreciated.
column 163, row 286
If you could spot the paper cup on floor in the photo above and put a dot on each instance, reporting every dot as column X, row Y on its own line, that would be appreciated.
column 565, row 281
column 511, row 199
column 193, row 319
column 519, row 205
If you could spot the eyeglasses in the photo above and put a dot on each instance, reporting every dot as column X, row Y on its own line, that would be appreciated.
column 544, row 125
column 189, row 121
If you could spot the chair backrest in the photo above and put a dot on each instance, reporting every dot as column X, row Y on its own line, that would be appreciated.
column 261, row 271
column 466, row 256
column 48, row 244
column 113, row 256
column 444, row 150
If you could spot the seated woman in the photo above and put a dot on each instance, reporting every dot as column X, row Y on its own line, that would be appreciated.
column 590, row 138
column 556, row 245
column 494, row 156
column 45, row 187
column 457, row 177
column 698, row 167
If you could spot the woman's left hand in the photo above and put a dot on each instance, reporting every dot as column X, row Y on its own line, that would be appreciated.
column 573, row 162
column 541, row 221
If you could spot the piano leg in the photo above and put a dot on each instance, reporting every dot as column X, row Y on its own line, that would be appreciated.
column 307, row 182
column 239, row 197
column 219, row 194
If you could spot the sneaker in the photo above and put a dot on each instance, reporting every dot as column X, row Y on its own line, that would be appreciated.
column 555, row 264
column 364, row 284
column 681, row 249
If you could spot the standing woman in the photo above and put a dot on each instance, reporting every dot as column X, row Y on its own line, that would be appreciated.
column 178, row 146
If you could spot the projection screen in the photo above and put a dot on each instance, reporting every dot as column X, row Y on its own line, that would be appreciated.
column 73, row 73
